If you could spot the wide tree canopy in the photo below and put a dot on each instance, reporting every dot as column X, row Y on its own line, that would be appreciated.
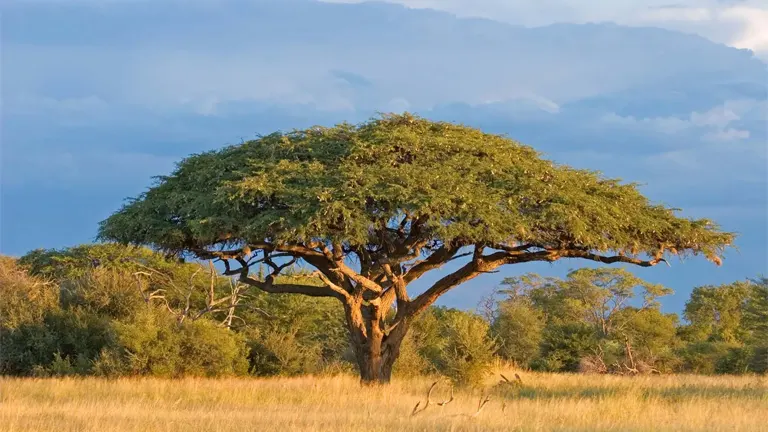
column 375, row 206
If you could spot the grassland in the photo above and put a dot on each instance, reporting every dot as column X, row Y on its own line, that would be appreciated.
column 544, row 402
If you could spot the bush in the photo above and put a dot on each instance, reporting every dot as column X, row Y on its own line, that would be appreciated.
column 564, row 346
column 155, row 344
column 468, row 351
column 209, row 350
column 24, row 299
column 411, row 363
column 108, row 292
column 75, row 336
column 735, row 361
column 759, row 361
column 279, row 352
column 705, row 357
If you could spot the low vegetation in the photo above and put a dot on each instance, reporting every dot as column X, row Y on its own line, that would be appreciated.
column 121, row 311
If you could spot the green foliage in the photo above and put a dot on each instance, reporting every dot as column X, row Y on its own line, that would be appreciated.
column 736, row 361
column 755, row 316
column 281, row 352
column 103, row 291
column 24, row 299
column 107, row 278
column 292, row 334
column 411, row 363
column 341, row 183
column 653, row 336
column 467, row 353
column 759, row 361
column 74, row 318
column 705, row 357
column 153, row 343
column 728, row 328
column 585, row 321
column 594, row 296
column 564, row 345
column 72, row 263
column 518, row 329
column 716, row 312
column 69, row 334
column 103, row 325
column 449, row 342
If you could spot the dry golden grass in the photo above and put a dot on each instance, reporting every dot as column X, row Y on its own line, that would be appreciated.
column 545, row 402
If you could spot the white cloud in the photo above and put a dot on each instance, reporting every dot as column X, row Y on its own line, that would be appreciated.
column 754, row 34
column 729, row 134
column 715, row 123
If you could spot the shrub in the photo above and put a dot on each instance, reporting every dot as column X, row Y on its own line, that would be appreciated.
column 110, row 292
column 704, row 357
column 155, row 344
column 736, row 360
column 564, row 345
column 759, row 361
column 209, row 350
column 280, row 352
column 24, row 299
column 411, row 363
column 468, row 351
column 75, row 335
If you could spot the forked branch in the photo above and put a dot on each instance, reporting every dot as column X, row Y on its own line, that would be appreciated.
column 481, row 405
column 421, row 408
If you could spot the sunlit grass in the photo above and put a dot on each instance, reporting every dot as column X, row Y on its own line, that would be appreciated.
column 543, row 402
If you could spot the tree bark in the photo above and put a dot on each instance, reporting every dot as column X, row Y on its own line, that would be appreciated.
column 375, row 351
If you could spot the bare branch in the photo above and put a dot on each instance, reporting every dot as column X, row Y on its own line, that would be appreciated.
column 331, row 285
column 573, row 253
column 421, row 408
column 481, row 405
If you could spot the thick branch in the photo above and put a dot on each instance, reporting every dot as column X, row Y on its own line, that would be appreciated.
column 467, row 272
column 269, row 285
column 485, row 264
column 441, row 256
column 609, row 259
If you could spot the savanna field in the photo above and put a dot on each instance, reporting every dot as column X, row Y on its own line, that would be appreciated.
column 543, row 402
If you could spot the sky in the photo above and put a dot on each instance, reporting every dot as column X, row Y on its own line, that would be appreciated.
column 99, row 96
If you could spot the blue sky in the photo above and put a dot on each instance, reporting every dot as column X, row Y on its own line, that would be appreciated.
column 98, row 96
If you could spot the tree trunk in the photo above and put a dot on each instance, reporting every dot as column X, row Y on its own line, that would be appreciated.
column 375, row 360
column 375, row 352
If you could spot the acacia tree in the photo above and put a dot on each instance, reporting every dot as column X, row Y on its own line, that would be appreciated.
column 376, row 206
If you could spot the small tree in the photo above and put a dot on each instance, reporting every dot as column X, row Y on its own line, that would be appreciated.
column 716, row 313
column 594, row 316
column 518, row 328
column 375, row 207
column 467, row 353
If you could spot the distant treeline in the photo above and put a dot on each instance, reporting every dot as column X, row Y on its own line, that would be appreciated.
column 113, row 310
